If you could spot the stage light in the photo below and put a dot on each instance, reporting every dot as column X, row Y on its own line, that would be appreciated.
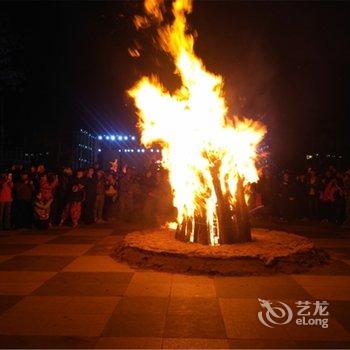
column 143, row 151
column 99, row 150
column 107, row 137
column 133, row 138
column 152, row 150
column 125, row 137
column 112, row 137
column 99, row 137
column 120, row 138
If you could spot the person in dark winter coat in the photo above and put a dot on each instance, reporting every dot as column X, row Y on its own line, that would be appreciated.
column 24, row 196
column 76, row 196
column 90, row 186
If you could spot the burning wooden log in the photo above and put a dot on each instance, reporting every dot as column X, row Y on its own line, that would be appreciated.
column 233, row 225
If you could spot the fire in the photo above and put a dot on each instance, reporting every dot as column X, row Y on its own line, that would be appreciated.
column 203, row 150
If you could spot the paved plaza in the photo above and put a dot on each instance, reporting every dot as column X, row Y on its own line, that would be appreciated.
column 61, row 289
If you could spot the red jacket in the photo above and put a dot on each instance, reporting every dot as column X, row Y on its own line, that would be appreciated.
column 6, row 192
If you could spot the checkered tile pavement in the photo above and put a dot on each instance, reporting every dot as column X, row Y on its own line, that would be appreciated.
column 61, row 289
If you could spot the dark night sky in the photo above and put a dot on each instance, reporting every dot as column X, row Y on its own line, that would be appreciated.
column 285, row 63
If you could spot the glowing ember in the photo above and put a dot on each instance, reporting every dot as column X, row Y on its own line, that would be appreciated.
column 208, row 156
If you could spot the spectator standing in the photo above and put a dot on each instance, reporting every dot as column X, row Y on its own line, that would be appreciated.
column 42, row 207
column 286, row 195
column 90, row 185
column 110, row 196
column 24, row 195
column 347, row 197
column 100, row 195
column 76, row 196
column 313, row 194
column 6, row 186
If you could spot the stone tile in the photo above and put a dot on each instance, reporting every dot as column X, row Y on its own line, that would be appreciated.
column 17, row 323
column 123, row 324
column 340, row 310
column 5, row 257
column 332, row 243
column 78, row 325
column 46, row 342
column 325, row 287
column 59, row 249
column 194, row 318
column 189, row 290
column 18, row 288
column 52, row 231
column 71, row 239
column 144, row 305
column 98, row 249
column 263, row 344
column 188, row 306
column 92, row 277
column 13, row 249
column 86, row 284
column 41, row 304
column 66, row 305
column 152, row 289
column 110, row 240
column 26, row 239
column 25, row 276
column 96, row 264
column 339, row 253
column 192, row 279
column 195, row 343
column 241, row 321
column 91, row 305
column 36, row 263
column 151, row 276
column 194, row 325
column 264, row 287
column 305, row 344
column 87, row 231
column 7, row 301
column 129, row 343
column 333, row 268
column 138, row 317
column 21, row 282
column 334, row 332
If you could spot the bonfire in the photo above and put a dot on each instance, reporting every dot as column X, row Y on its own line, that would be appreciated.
column 210, row 156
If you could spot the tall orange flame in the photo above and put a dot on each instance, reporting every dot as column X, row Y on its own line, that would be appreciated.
column 191, row 125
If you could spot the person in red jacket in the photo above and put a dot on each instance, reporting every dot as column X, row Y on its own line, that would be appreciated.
column 6, row 186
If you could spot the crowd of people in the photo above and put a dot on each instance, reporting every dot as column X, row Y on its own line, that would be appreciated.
column 41, row 199
column 37, row 198
column 311, row 195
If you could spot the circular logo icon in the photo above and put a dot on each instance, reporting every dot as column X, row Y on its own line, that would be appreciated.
column 272, row 315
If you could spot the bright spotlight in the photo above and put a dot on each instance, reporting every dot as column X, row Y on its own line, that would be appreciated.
column 99, row 137
column 112, row 137
column 125, row 137
column 107, row 137
column 99, row 150
column 133, row 138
